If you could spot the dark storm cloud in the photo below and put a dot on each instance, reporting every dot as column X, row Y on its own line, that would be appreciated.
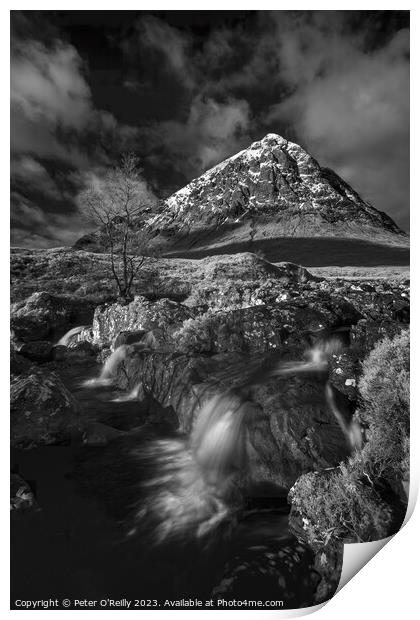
column 350, row 106
column 187, row 89
column 211, row 132
column 53, row 118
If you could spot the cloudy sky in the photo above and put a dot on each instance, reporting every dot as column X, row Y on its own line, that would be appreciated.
column 185, row 90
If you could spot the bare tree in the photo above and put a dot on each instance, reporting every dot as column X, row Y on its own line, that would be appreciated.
column 118, row 205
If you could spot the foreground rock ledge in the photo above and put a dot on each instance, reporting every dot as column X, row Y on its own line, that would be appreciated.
column 43, row 411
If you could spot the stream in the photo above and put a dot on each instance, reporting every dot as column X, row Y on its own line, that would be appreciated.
column 152, row 514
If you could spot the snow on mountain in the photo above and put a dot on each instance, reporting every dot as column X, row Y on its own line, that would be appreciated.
column 273, row 188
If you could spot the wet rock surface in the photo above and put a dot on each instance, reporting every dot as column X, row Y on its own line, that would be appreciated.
column 288, row 423
column 43, row 411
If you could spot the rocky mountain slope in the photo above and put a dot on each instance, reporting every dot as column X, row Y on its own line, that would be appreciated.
column 271, row 190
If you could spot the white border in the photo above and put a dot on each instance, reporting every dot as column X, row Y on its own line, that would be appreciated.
column 387, row 585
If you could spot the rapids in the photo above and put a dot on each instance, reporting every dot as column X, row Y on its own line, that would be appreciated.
column 164, row 513
column 198, row 481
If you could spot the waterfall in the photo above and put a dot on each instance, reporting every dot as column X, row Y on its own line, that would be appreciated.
column 135, row 394
column 351, row 429
column 218, row 437
column 194, row 486
column 110, row 366
column 68, row 337
column 179, row 501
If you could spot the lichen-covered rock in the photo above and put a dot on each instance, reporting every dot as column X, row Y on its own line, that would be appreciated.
column 43, row 411
column 239, row 293
column 344, row 371
column 260, row 328
column 40, row 315
column 140, row 314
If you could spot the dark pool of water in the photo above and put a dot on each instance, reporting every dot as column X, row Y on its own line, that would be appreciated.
column 75, row 547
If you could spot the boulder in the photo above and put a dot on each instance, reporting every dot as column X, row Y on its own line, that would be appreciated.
column 98, row 434
column 37, row 351
column 291, row 324
column 247, row 266
column 75, row 352
column 81, row 350
column 18, row 363
column 289, row 425
column 39, row 316
column 139, row 315
column 43, row 411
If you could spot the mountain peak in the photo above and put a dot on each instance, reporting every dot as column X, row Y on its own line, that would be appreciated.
column 273, row 137
column 272, row 189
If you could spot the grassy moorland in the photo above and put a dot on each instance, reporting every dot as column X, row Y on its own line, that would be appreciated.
column 311, row 252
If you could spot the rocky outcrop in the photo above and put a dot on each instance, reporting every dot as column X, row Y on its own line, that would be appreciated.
column 274, row 188
column 338, row 505
column 77, row 352
column 288, row 422
column 141, row 314
column 250, row 287
column 43, row 411
column 248, row 266
column 364, row 498
column 290, row 323
column 41, row 315
column 344, row 370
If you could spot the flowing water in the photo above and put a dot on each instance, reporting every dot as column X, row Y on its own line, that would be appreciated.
column 196, row 482
column 107, row 375
column 71, row 335
column 185, row 505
